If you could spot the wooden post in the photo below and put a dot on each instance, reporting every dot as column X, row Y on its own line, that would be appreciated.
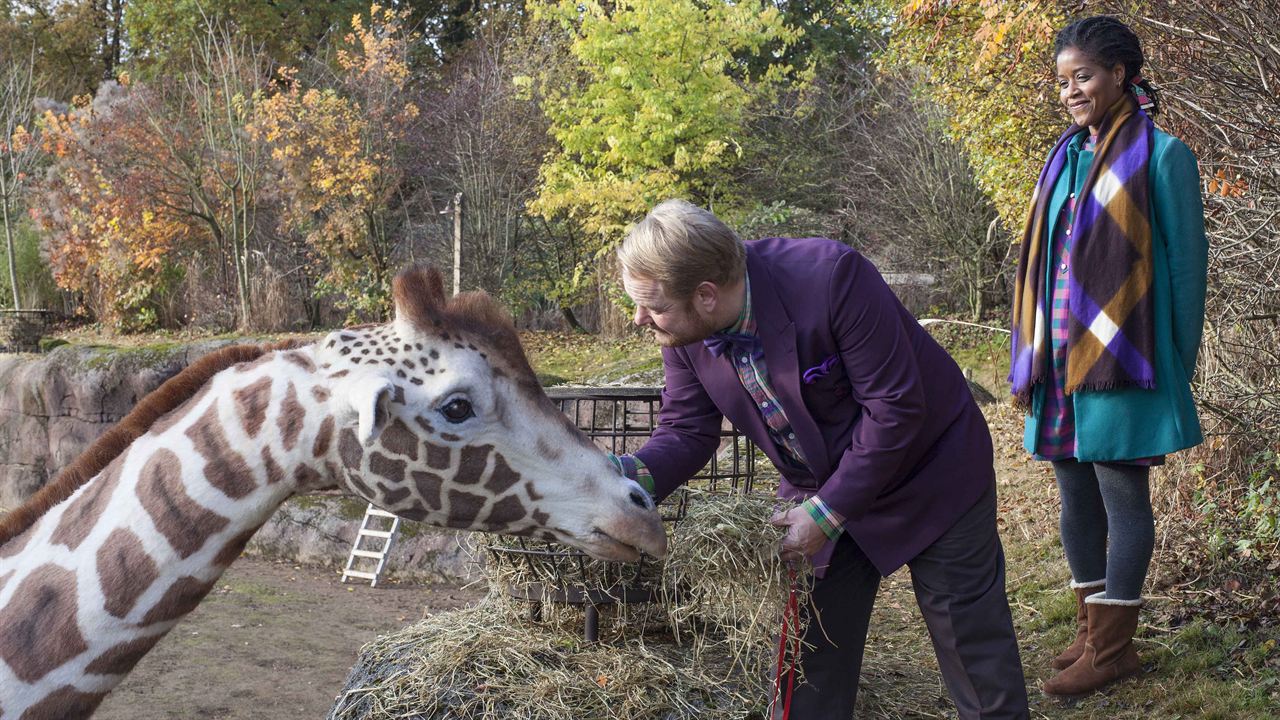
column 457, row 243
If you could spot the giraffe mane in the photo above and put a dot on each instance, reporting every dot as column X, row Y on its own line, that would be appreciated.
column 172, row 393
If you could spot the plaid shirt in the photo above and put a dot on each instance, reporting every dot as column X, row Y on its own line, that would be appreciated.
column 1057, row 439
column 754, row 374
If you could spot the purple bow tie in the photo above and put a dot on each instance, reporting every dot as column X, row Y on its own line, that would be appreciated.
column 719, row 343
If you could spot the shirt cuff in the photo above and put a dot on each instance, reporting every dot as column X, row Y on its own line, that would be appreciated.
column 633, row 469
column 829, row 521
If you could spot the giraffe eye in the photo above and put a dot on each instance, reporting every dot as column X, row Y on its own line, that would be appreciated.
column 457, row 410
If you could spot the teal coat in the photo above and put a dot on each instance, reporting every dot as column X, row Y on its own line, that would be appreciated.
column 1135, row 423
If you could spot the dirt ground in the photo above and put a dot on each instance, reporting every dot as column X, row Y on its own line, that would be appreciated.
column 271, row 641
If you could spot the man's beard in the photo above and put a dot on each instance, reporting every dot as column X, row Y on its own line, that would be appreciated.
column 692, row 335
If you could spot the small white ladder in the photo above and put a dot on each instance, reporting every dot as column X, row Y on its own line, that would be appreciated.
column 373, row 517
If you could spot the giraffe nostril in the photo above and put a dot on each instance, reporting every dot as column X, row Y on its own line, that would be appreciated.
column 640, row 499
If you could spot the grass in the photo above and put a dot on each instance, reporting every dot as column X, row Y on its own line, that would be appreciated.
column 561, row 358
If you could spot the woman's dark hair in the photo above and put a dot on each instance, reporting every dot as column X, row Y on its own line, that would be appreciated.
column 1108, row 42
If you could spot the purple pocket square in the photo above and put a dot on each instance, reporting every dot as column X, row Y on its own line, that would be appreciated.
column 816, row 373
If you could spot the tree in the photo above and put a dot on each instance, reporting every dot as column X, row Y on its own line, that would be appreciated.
column 165, row 32
column 654, row 109
column 485, row 138
column 18, row 151
column 79, row 43
column 108, row 206
column 340, row 150
column 989, row 64
column 226, row 80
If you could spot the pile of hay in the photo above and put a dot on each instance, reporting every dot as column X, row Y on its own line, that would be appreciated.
column 706, row 650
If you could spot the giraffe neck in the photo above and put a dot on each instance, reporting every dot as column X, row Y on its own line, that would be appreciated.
column 97, row 581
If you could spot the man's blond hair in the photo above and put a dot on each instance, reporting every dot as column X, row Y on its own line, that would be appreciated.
column 680, row 245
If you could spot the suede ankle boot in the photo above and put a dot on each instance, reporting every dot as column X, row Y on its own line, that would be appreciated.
column 1108, row 649
column 1076, row 649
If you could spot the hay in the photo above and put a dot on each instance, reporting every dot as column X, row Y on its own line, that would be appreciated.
column 704, row 651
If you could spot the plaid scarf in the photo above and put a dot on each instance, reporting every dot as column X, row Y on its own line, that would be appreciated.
column 1111, row 339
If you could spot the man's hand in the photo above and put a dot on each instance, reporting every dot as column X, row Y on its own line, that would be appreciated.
column 803, row 539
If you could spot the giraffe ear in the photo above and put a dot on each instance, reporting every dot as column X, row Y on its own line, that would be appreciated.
column 370, row 397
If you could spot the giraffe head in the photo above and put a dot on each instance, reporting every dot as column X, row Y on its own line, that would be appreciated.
column 440, row 419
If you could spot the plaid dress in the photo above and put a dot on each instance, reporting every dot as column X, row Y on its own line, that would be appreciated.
column 1057, row 439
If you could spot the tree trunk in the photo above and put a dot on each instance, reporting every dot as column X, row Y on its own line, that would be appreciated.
column 8, row 246
column 572, row 319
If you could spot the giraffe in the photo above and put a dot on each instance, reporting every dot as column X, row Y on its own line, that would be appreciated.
column 435, row 416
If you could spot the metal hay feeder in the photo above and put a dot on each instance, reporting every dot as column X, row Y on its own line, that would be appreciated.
column 620, row 420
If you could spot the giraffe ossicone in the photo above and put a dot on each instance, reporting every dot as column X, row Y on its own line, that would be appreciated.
column 435, row 416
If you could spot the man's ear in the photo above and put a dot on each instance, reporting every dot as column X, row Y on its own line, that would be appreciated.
column 370, row 397
column 706, row 296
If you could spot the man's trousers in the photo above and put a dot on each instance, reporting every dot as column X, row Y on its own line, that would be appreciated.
column 959, row 586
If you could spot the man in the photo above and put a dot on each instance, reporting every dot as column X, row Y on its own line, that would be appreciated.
column 801, row 344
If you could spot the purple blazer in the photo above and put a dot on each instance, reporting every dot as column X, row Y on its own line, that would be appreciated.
column 893, row 437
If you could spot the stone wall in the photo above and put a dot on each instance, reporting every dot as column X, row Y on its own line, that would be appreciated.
column 53, row 406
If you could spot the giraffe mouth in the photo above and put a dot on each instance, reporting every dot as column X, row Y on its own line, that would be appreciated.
column 604, row 546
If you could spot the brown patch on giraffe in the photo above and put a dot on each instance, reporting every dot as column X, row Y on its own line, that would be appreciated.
column 254, row 364
column 414, row 513
column 234, row 548
column 349, row 449
column 502, row 477
column 358, row 487
column 540, row 517
column 185, row 523
column 428, row 485
column 300, row 360
column 506, row 511
column 320, row 394
column 4, row 579
column 393, row 496
column 65, row 703
column 15, row 545
column 307, row 476
column 439, row 456
column 121, row 658
column 548, row 451
column 290, row 419
column 125, row 571
column 471, row 466
column 165, row 423
column 324, row 438
column 340, row 374
column 533, row 494
column 182, row 597
column 400, row 440
column 275, row 473
column 251, row 403
column 463, row 508
column 83, row 512
column 224, row 468
column 386, row 467
column 425, row 424
column 38, row 629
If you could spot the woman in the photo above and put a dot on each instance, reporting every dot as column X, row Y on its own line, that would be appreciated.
column 1107, row 316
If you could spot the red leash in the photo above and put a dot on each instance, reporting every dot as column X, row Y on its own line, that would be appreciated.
column 788, row 639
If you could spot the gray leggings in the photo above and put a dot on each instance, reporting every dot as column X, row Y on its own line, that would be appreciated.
column 1102, row 501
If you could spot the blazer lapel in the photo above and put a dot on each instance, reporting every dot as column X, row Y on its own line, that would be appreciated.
column 778, row 333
